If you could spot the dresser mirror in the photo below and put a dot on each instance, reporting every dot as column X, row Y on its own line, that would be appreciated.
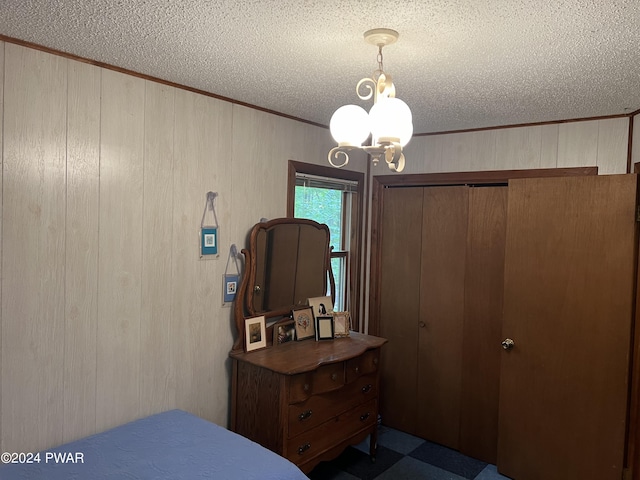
column 288, row 262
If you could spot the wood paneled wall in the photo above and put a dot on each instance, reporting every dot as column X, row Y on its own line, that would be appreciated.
column 107, row 312
column 635, row 150
column 602, row 143
column 33, row 247
column 1, row 215
column 81, row 243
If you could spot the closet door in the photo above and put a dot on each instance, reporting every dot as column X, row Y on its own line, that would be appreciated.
column 400, row 305
column 484, row 277
column 441, row 302
column 568, row 304
column 443, row 249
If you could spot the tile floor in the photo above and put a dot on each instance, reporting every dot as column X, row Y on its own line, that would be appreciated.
column 404, row 457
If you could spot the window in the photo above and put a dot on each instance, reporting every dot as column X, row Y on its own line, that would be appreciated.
column 332, row 196
column 330, row 201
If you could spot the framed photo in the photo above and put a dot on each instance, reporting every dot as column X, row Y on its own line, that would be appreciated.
column 255, row 333
column 230, row 287
column 208, row 241
column 321, row 305
column 341, row 324
column 304, row 322
column 324, row 327
column 284, row 331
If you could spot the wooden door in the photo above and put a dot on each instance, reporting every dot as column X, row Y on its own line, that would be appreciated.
column 482, row 331
column 444, row 244
column 400, row 305
column 568, row 303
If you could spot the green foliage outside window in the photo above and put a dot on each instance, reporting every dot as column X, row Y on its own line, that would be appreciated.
column 324, row 205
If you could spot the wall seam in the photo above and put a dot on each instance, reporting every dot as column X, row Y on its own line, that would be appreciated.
column 172, row 374
column 142, row 269
column 97, row 357
column 2, row 148
column 630, row 145
column 66, row 252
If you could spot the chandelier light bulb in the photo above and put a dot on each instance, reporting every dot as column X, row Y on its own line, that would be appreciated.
column 406, row 134
column 349, row 125
column 391, row 120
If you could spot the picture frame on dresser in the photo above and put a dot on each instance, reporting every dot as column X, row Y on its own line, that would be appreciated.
column 324, row 327
column 255, row 333
column 284, row 331
column 304, row 322
column 321, row 305
column 341, row 324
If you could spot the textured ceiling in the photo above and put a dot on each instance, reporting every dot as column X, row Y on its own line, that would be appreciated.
column 458, row 64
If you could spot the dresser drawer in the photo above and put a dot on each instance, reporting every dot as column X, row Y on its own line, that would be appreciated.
column 315, row 441
column 363, row 364
column 325, row 379
column 319, row 408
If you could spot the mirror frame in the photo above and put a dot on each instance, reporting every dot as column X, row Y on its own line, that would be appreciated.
column 243, row 307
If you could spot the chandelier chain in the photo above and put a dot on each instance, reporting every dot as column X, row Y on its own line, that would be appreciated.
column 380, row 68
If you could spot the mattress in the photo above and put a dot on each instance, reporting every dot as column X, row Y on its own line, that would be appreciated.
column 169, row 445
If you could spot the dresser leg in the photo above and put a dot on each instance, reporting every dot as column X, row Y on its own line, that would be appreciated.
column 373, row 444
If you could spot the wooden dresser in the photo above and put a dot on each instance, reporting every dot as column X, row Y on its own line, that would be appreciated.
column 308, row 400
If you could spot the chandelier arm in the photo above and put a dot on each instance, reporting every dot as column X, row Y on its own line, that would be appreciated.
column 385, row 87
column 399, row 166
column 364, row 83
column 336, row 152
column 394, row 157
column 374, row 150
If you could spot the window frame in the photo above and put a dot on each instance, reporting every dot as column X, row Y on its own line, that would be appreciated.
column 355, row 252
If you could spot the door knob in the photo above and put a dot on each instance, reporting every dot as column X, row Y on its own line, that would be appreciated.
column 508, row 344
column 422, row 324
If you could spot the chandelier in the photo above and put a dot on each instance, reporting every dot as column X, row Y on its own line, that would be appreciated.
column 388, row 123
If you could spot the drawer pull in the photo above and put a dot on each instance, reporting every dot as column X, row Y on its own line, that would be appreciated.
column 357, row 369
column 303, row 448
column 367, row 388
column 305, row 415
column 306, row 387
column 364, row 416
column 375, row 361
column 334, row 376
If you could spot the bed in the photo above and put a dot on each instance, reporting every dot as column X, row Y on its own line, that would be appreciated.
column 169, row 445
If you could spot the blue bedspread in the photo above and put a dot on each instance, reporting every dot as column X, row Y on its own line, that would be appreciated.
column 169, row 445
